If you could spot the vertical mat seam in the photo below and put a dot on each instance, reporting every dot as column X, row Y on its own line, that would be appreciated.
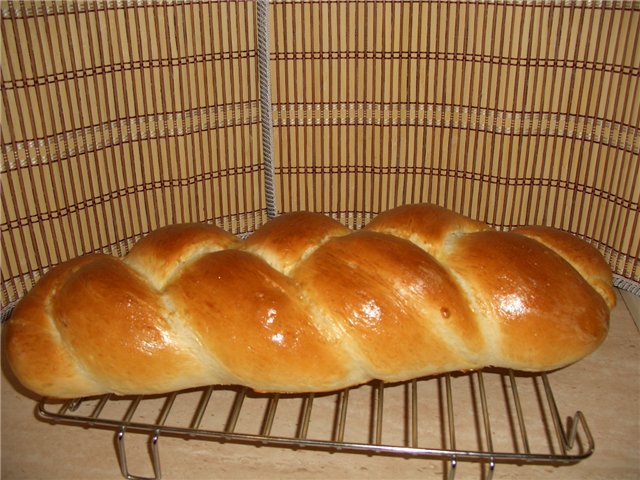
column 266, row 120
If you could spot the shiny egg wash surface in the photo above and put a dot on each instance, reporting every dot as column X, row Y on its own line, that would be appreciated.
column 146, row 345
column 28, row 334
column 524, row 286
column 255, row 321
column 394, row 328
column 307, row 306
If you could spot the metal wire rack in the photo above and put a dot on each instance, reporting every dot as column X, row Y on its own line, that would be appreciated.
column 489, row 417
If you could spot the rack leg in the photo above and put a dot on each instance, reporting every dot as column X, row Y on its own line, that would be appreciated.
column 453, row 464
column 488, row 474
column 122, row 456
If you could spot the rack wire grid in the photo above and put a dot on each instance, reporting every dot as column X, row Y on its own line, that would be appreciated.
column 488, row 417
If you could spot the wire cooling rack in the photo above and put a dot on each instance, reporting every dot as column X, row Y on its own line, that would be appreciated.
column 489, row 417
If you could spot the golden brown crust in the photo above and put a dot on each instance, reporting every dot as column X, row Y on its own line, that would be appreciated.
column 394, row 302
column 158, row 255
column 117, row 327
column 253, row 320
column 581, row 255
column 286, row 239
column 543, row 312
column 307, row 305
column 34, row 348
column 425, row 224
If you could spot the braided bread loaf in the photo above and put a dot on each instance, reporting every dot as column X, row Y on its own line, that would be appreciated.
column 305, row 304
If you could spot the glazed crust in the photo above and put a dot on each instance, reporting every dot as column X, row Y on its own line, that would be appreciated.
column 307, row 305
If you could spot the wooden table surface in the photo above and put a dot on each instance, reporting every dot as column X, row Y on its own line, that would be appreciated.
column 605, row 387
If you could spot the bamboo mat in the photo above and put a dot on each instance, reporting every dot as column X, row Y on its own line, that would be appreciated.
column 119, row 117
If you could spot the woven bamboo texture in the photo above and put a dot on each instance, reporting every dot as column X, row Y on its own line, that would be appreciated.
column 119, row 117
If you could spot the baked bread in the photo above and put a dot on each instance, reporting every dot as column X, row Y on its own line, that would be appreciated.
column 305, row 304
